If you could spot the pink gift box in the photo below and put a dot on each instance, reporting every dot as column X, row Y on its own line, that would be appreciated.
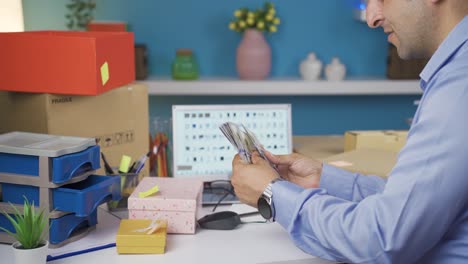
column 178, row 201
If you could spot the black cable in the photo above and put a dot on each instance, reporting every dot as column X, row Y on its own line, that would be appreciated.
column 225, row 189
column 219, row 201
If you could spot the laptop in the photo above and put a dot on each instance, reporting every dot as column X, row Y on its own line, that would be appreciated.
column 200, row 150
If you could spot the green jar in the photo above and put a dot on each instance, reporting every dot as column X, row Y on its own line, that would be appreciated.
column 184, row 66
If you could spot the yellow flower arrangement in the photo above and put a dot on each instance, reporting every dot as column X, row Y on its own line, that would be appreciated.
column 263, row 19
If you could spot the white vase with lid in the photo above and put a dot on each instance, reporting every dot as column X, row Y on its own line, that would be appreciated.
column 335, row 71
column 310, row 68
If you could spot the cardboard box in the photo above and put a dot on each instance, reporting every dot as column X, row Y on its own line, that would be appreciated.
column 130, row 241
column 118, row 119
column 365, row 161
column 318, row 147
column 178, row 201
column 66, row 62
column 392, row 140
column 108, row 26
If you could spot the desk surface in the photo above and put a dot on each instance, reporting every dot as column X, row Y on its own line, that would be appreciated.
column 249, row 243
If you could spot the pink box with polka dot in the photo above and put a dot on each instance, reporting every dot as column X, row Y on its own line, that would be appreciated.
column 178, row 201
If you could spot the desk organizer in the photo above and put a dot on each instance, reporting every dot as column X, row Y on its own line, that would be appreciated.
column 57, row 174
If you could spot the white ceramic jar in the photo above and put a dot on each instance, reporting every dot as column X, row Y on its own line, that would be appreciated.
column 310, row 68
column 335, row 71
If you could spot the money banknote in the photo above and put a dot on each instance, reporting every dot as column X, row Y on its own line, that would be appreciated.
column 244, row 140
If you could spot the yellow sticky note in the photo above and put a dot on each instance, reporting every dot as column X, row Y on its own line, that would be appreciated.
column 149, row 192
column 104, row 73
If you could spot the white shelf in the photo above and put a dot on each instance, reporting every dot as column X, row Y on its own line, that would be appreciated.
column 282, row 87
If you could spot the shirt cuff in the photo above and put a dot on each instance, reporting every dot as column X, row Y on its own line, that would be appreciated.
column 284, row 196
column 337, row 182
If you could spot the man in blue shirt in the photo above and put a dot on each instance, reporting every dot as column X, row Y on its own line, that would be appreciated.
column 418, row 215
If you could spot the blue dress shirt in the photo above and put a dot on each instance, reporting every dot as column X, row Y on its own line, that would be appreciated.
column 420, row 214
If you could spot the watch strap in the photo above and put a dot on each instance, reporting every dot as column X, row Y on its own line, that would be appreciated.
column 267, row 195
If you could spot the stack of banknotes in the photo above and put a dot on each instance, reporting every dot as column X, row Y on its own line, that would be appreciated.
column 244, row 141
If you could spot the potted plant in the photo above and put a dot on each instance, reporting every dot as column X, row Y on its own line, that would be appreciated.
column 30, row 232
column 253, row 58
column 80, row 13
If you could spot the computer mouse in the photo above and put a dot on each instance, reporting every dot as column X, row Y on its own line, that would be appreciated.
column 226, row 220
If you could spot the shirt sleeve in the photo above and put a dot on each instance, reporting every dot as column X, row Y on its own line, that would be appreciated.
column 424, row 195
column 349, row 186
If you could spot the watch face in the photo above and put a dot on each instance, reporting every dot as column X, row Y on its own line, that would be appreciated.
column 264, row 208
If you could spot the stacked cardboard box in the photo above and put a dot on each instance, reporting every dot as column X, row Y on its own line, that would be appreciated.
column 75, row 84
column 371, row 152
column 390, row 140
column 318, row 147
column 56, row 83
column 118, row 119
column 365, row 161
column 107, row 26
column 66, row 62
column 141, row 55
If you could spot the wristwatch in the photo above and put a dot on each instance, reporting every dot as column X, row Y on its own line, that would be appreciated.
column 265, row 202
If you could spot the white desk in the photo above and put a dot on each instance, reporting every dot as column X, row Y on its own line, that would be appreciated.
column 249, row 243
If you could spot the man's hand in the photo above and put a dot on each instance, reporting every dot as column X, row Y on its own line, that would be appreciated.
column 298, row 169
column 250, row 180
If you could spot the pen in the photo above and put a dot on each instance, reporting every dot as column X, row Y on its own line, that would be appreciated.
column 141, row 162
column 132, row 167
column 108, row 168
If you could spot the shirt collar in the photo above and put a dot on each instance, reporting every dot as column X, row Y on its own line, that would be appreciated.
column 456, row 38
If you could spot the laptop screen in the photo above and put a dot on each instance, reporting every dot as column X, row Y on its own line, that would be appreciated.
column 202, row 151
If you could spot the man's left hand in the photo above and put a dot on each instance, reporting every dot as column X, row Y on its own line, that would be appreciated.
column 250, row 180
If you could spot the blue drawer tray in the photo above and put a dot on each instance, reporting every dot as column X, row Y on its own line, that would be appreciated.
column 66, row 226
column 81, row 198
column 61, row 228
column 62, row 168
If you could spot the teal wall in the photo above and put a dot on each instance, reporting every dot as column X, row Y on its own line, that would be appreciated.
column 316, row 115
column 325, row 27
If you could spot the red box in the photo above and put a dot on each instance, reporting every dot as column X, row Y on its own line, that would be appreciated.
column 66, row 62
column 109, row 26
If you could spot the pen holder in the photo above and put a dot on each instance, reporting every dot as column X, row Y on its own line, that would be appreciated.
column 128, row 183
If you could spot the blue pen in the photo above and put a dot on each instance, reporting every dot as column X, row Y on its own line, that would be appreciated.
column 141, row 163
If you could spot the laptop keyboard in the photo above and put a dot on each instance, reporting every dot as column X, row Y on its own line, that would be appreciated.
column 211, row 198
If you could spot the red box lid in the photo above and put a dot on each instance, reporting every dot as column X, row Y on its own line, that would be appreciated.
column 109, row 26
column 66, row 62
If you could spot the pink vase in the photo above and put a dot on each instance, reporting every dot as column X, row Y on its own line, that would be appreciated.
column 253, row 56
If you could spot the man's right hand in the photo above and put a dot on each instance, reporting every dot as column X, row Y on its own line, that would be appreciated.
column 298, row 169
